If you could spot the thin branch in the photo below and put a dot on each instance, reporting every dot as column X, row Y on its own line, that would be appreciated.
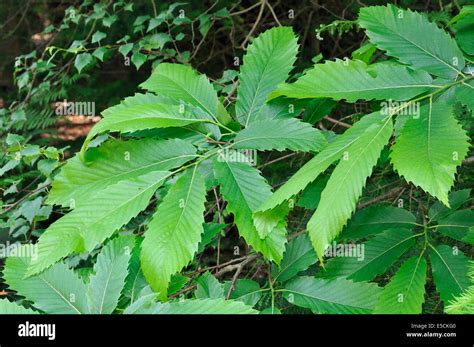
column 239, row 267
column 273, row 12
column 387, row 195
column 254, row 26
column 338, row 122
column 24, row 198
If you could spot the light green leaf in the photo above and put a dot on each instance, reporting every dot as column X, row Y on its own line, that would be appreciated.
column 247, row 291
column 100, row 52
column 339, row 197
column 7, row 307
column 317, row 109
column 203, row 306
column 128, row 118
column 459, row 226
column 404, row 293
column 298, row 256
column 376, row 256
column 268, row 61
column 173, row 235
column 93, row 221
column 412, row 39
column 429, row 149
column 280, row 134
column 450, row 269
column 208, row 287
column 312, row 169
column 138, row 59
column 465, row 29
column 125, row 49
column 464, row 303
column 375, row 219
column 311, row 195
column 266, row 221
column 456, row 199
column 135, row 281
column 182, row 83
column 353, row 80
column 338, row 296
column 82, row 60
column 116, row 161
column 108, row 21
column 57, row 290
column 177, row 282
column 106, row 284
column 98, row 36
column 464, row 93
column 210, row 232
column 244, row 190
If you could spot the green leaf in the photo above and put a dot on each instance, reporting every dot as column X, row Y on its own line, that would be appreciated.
column 138, row 59
column 57, row 290
column 182, row 83
column 375, row 219
column 339, row 197
column 247, row 291
column 98, row 36
column 459, row 226
column 298, row 256
column 412, row 39
column 135, row 281
column 155, row 22
column 312, row 169
column 204, row 24
column 82, row 60
column 404, row 294
column 456, row 199
column 266, row 221
column 208, row 287
column 244, row 190
column 464, row 303
column 311, row 195
column 108, row 21
column 92, row 221
column 203, row 306
column 338, row 296
column 116, row 161
column 100, row 52
column 10, row 165
column 429, row 149
column 7, row 307
column 177, row 283
column 281, row 108
column 110, row 270
column 268, row 61
column 210, row 232
column 353, row 80
column 364, row 53
column 280, row 134
column 125, row 49
column 464, row 93
column 377, row 255
column 173, row 235
column 450, row 269
column 133, row 117
column 464, row 28
column 317, row 109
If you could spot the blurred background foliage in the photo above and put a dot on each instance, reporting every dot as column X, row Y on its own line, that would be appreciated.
column 99, row 51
